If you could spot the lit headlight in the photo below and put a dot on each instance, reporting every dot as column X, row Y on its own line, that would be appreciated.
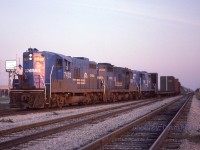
column 30, row 56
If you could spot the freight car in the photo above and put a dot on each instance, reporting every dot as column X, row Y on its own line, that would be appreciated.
column 56, row 80
column 169, row 85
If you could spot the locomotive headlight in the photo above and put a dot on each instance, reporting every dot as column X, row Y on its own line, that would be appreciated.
column 30, row 56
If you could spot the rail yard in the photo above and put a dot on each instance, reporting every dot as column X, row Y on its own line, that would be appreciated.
column 64, row 102
column 99, row 75
column 101, row 126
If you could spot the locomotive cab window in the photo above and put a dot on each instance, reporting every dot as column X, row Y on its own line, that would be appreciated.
column 67, row 65
column 77, row 73
column 59, row 63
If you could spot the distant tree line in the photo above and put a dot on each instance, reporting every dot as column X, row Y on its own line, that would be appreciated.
column 197, row 93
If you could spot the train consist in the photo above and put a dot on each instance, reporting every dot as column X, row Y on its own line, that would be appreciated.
column 55, row 80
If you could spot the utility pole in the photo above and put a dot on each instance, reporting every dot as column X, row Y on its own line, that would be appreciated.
column 0, row 76
column 0, row 68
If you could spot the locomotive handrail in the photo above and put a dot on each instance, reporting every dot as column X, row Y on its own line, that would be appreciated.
column 45, row 90
column 137, row 86
column 50, row 80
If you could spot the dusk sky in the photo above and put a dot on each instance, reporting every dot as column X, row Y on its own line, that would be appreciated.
column 160, row 36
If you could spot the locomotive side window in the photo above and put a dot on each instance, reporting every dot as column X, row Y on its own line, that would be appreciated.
column 110, row 69
column 59, row 63
column 92, row 66
column 119, row 78
column 77, row 74
column 67, row 65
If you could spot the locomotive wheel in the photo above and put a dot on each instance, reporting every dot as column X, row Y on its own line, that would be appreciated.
column 119, row 97
column 87, row 99
column 13, row 100
column 114, row 97
column 54, row 101
column 111, row 99
column 95, row 99
column 136, row 96
column 57, row 101
column 60, row 101
column 38, row 101
column 130, row 96
column 31, row 101
column 100, row 97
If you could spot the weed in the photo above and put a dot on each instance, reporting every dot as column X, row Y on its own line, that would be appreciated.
column 7, row 120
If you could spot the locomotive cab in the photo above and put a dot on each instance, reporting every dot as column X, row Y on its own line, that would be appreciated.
column 33, row 86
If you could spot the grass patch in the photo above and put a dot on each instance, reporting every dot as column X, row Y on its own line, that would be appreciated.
column 7, row 120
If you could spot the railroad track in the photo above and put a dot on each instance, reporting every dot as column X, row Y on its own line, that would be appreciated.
column 18, row 111
column 13, row 137
column 152, row 131
column 175, row 135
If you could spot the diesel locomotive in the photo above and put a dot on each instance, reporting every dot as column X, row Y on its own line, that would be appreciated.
column 55, row 80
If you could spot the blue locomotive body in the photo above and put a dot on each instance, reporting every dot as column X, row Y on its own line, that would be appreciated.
column 55, row 80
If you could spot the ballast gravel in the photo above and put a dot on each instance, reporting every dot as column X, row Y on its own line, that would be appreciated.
column 19, row 120
column 192, row 130
column 77, row 138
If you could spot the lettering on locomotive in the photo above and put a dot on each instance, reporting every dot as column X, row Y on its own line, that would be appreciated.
column 32, row 70
column 67, row 75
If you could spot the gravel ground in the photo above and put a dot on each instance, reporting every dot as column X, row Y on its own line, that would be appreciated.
column 18, row 120
column 192, row 131
column 74, row 139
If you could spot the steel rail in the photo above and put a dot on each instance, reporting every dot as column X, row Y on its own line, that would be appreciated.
column 21, row 140
column 53, row 121
column 108, row 138
column 156, row 145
